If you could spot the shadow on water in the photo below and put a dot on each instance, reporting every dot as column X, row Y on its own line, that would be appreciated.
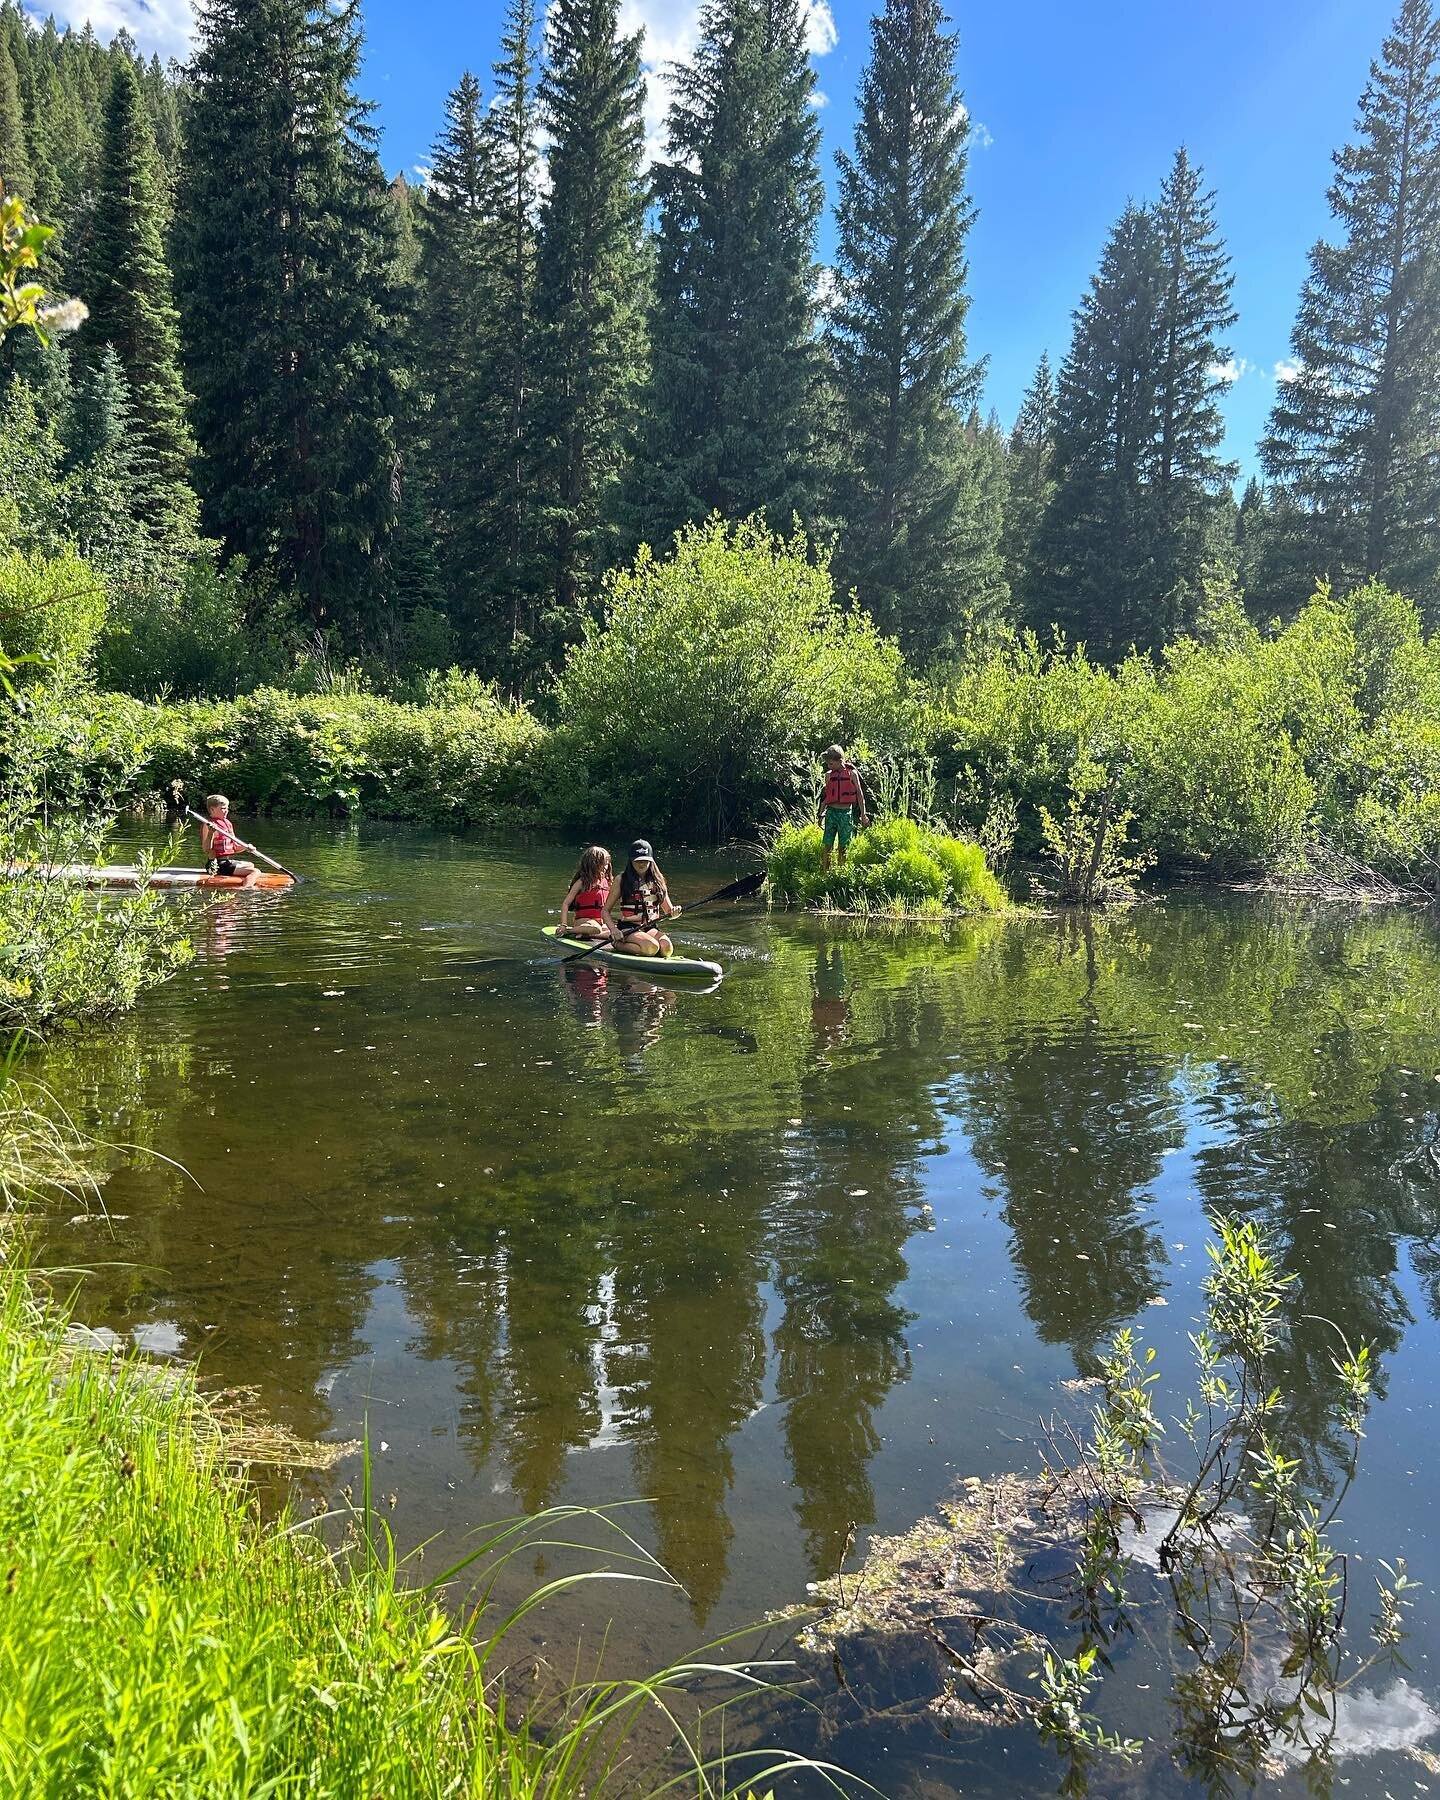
column 785, row 1257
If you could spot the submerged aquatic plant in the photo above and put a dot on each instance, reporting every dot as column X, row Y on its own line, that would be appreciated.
column 1218, row 1518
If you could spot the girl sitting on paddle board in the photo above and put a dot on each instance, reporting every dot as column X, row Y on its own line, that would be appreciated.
column 218, row 843
column 582, row 913
column 638, row 901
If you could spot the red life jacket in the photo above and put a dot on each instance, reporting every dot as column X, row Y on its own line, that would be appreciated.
column 842, row 787
column 223, row 841
column 589, row 903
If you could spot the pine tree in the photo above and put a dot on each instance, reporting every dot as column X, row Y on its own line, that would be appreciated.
column 1094, row 573
column 734, row 369
column 1139, row 507
column 283, row 249
column 979, row 599
column 15, row 169
column 1352, row 437
column 499, row 430
column 591, row 282
column 897, row 331
column 1030, row 466
column 100, row 427
column 457, row 254
column 1275, row 552
column 125, row 281
column 1196, row 309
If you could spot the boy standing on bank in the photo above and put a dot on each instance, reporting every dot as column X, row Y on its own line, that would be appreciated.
column 842, row 800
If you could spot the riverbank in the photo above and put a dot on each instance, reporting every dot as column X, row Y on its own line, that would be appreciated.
column 159, row 1638
column 1239, row 752
column 154, row 1634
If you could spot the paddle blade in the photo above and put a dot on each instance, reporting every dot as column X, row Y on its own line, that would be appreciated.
column 737, row 890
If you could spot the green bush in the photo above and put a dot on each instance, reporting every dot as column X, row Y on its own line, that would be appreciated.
column 53, row 608
column 1235, row 750
column 717, row 674
column 894, row 867
column 186, row 631
column 346, row 754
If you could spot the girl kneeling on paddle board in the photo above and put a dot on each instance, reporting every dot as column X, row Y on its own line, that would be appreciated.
column 638, row 901
column 582, row 913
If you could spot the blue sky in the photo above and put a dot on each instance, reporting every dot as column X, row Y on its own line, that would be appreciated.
column 1078, row 107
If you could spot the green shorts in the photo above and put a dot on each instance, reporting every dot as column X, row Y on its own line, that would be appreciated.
column 839, row 826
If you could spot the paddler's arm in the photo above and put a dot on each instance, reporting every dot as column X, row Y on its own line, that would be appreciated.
column 565, row 906
column 860, row 791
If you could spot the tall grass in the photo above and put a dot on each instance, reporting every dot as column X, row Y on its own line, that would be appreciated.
column 158, row 1638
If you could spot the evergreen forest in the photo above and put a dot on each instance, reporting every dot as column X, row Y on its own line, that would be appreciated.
column 323, row 420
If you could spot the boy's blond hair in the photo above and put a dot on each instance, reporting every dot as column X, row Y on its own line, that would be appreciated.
column 214, row 800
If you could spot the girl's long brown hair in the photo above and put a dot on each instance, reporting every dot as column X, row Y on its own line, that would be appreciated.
column 593, row 867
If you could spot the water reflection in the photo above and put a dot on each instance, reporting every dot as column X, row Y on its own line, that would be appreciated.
column 606, row 1236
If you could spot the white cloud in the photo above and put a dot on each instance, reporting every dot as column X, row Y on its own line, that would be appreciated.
column 1286, row 370
column 1230, row 370
column 980, row 135
column 820, row 32
column 819, row 98
column 157, row 26
column 672, row 32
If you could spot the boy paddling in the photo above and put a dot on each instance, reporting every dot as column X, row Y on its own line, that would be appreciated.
column 218, row 843
column 842, row 800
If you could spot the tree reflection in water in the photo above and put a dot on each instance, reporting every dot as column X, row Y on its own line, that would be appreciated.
column 605, row 1215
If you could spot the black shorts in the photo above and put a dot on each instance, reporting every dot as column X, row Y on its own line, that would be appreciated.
column 222, row 865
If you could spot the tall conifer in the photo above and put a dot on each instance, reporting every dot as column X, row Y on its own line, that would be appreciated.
column 284, row 248
column 1196, row 310
column 453, row 308
column 733, row 372
column 1353, row 437
column 1094, row 571
column 590, row 295
column 897, row 333
column 1030, row 467
column 500, row 430
column 124, row 279
column 15, row 169
column 1139, row 503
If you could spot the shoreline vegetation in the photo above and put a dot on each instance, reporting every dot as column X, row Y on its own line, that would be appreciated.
column 1307, row 753
column 160, row 1635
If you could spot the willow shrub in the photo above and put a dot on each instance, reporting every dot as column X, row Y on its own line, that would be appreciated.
column 1238, row 749
column 716, row 675
column 65, row 954
column 52, row 611
column 895, row 867
column 343, row 754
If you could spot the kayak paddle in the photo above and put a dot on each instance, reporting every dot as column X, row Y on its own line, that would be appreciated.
column 202, row 820
column 736, row 890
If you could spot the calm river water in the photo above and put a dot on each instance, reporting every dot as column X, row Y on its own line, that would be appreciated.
column 785, row 1259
